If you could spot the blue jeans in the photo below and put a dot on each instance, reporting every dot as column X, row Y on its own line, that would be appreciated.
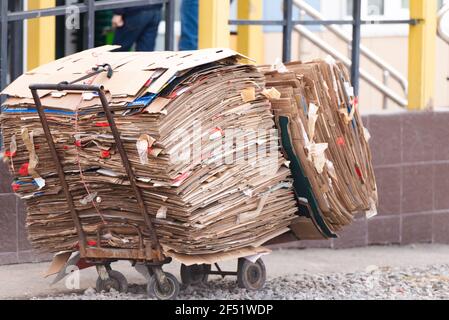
column 140, row 28
column 189, row 25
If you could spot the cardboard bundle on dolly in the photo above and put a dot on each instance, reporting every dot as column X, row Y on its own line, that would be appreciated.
column 324, row 138
column 206, row 180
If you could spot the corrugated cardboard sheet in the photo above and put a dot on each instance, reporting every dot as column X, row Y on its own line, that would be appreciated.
column 199, row 206
column 324, row 138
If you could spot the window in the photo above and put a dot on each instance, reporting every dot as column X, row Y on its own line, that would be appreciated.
column 370, row 8
column 405, row 4
column 376, row 8
column 349, row 7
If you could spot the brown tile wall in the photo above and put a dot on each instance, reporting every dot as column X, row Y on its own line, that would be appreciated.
column 411, row 160
column 14, row 246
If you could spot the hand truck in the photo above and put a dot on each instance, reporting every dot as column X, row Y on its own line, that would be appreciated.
column 162, row 285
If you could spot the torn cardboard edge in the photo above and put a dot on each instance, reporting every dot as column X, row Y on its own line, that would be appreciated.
column 217, row 257
column 59, row 261
column 125, row 80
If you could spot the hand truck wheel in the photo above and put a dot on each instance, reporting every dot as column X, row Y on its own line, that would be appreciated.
column 251, row 276
column 116, row 281
column 169, row 292
column 195, row 274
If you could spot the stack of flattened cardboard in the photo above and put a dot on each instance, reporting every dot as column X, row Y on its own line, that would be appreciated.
column 199, row 134
column 324, row 138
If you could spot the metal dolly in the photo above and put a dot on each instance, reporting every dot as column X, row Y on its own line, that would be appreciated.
column 162, row 285
column 250, row 276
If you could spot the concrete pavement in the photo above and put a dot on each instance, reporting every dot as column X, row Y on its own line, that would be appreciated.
column 26, row 281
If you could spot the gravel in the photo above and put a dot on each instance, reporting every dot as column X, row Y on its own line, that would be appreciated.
column 400, row 283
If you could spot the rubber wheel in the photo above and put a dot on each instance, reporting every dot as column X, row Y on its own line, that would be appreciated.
column 169, row 293
column 251, row 276
column 116, row 280
column 195, row 274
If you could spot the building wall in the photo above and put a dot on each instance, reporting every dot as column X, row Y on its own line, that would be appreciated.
column 411, row 159
column 411, row 156
column 14, row 246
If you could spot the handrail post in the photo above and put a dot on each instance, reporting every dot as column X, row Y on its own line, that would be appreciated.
column 287, row 31
column 170, row 25
column 301, row 50
column 422, row 55
column 17, row 28
column 250, row 38
column 213, row 24
column 356, row 34
column 89, row 24
column 41, row 35
column 385, row 77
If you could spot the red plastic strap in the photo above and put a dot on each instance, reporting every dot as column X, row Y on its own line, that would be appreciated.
column 23, row 171
column 218, row 129
column 78, row 143
column 89, row 243
column 105, row 154
column 182, row 177
column 148, row 83
column 173, row 95
column 10, row 154
column 341, row 141
column 359, row 172
column 102, row 124
column 15, row 187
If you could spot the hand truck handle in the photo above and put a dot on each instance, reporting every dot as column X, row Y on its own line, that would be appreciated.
column 64, row 86
column 59, row 168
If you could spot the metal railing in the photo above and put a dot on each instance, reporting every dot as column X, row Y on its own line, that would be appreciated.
column 289, row 25
column 443, row 15
column 387, row 70
column 87, row 7
column 378, row 85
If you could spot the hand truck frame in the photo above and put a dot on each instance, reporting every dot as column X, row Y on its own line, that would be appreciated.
column 163, row 285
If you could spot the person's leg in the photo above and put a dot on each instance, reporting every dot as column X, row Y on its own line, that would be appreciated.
column 189, row 25
column 127, row 35
column 150, row 19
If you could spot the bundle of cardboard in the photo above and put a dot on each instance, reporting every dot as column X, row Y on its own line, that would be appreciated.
column 199, row 133
column 324, row 138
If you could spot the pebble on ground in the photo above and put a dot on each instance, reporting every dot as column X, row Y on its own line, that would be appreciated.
column 374, row 283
